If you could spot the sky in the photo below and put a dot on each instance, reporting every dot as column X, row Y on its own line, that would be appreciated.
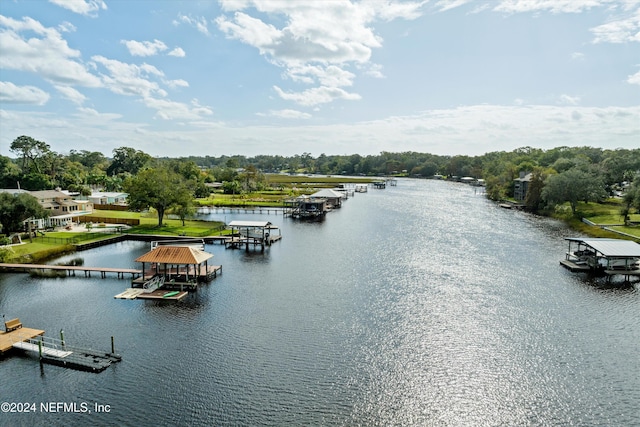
column 335, row 77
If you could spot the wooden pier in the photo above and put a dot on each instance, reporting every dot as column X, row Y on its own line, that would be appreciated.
column 54, row 351
column 7, row 339
column 72, row 269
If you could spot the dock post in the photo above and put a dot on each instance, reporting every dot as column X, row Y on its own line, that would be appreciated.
column 62, row 337
column 40, row 348
column 113, row 347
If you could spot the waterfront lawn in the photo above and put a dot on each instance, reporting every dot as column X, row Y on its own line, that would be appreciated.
column 271, row 199
column 170, row 226
column 55, row 242
column 607, row 213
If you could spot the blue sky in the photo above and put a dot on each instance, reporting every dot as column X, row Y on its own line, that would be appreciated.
column 278, row 77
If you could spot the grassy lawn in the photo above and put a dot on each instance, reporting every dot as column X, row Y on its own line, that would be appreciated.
column 56, row 242
column 149, row 224
column 602, row 214
column 605, row 213
column 272, row 199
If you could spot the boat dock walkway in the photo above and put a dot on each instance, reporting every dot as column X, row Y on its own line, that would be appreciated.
column 71, row 269
column 55, row 351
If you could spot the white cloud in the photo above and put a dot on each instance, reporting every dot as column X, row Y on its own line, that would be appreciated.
column 634, row 79
column 390, row 10
column 44, row 53
column 199, row 23
column 176, row 83
column 170, row 110
column 67, row 27
column 444, row 5
column 71, row 94
column 316, row 95
column 286, row 114
column 553, row 6
column 468, row 130
column 331, row 75
column 145, row 48
column 620, row 30
column 568, row 100
column 13, row 94
column 177, row 52
column 82, row 7
column 375, row 71
column 129, row 79
column 577, row 56
column 317, row 41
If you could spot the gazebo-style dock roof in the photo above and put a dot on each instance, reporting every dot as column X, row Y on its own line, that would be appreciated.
column 176, row 255
column 179, row 265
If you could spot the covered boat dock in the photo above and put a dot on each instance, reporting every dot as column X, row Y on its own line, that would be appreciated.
column 176, row 266
column 611, row 256
column 256, row 233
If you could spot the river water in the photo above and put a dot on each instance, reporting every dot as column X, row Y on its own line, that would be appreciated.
column 421, row 304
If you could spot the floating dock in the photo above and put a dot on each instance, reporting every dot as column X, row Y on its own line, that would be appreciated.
column 158, row 294
column 53, row 351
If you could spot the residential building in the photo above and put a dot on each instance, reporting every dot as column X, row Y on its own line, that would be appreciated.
column 62, row 206
column 520, row 186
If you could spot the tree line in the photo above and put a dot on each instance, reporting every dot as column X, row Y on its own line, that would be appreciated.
column 558, row 175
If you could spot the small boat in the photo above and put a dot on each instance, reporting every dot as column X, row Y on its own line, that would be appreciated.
column 170, row 294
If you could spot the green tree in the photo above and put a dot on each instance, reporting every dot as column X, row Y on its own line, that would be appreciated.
column 183, row 207
column 631, row 198
column 157, row 188
column 573, row 186
column 14, row 210
column 533, row 200
column 9, row 173
column 127, row 160
column 31, row 151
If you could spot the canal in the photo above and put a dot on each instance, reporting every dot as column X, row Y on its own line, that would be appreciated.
column 421, row 304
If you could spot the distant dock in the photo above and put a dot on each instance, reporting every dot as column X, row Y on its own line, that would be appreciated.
column 72, row 269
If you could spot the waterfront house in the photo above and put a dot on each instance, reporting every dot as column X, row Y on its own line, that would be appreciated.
column 64, row 209
column 108, row 198
column 520, row 186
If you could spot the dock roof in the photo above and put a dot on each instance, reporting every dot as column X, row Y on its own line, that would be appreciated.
column 181, row 255
column 611, row 247
column 327, row 193
column 257, row 224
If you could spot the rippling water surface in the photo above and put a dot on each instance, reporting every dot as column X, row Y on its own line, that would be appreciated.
column 421, row 304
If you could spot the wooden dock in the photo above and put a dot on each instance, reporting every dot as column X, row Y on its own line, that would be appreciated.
column 575, row 267
column 54, row 351
column 158, row 294
column 176, row 278
column 72, row 269
column 7, row 339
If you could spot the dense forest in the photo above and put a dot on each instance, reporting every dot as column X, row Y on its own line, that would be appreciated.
column 592, row 174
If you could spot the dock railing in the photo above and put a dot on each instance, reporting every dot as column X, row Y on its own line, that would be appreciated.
column 153, row 284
